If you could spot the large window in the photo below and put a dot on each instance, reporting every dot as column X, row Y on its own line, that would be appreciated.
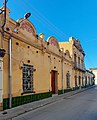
column 27, row 78
column 68, row 80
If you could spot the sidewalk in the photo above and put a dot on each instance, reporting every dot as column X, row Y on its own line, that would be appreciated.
column 11, row 113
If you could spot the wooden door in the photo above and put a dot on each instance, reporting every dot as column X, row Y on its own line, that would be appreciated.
column 53, row 81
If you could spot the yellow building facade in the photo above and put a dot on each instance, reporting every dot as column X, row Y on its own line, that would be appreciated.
column 34, row 68
column 77, row 54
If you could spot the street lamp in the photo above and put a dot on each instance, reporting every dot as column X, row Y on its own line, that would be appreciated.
column 26, row 16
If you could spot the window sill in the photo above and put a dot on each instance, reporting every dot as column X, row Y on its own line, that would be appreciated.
column 29, row 92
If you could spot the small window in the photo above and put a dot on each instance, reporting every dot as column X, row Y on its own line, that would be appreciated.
column 27, row 78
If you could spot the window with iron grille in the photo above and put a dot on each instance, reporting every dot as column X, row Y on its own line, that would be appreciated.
column 27, row 78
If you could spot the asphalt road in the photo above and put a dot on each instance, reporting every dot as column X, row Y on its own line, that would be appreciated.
column 82, row 106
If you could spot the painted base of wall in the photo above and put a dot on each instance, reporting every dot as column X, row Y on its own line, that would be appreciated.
column 72, row 89
column 1, row 106
column 20, row 100
column 65, row 91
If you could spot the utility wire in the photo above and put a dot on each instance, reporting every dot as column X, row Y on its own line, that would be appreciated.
column 40, row 17
column 44, row 18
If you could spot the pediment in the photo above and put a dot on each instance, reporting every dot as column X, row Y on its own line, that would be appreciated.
column 26, row 28
column 53, row 41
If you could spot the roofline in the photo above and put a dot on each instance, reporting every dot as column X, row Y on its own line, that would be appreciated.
column 93, row 68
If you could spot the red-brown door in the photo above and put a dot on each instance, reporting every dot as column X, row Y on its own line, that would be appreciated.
column 53, row 81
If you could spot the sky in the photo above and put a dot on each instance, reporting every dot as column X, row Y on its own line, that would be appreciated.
column 62, row 19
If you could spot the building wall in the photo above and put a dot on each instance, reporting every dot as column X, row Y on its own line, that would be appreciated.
column 27, row 49
column 78, row 67
column 66, row 46
column 95, row 73
column 42, row 62
column 51, row 62
column 68, row 69
column 94, row 70
column 89, row 78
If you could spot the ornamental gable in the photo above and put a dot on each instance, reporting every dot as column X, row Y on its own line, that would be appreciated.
column 78, row 46
column 26, row 28
column 53, row 41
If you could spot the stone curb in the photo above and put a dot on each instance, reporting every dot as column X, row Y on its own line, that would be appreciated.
column 14, row 112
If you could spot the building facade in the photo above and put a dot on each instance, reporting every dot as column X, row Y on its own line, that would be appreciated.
column 89, row 78
column 34, row 68
column 94, row 71
column 77, row 54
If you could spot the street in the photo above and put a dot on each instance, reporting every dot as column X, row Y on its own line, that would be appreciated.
column 82, row 106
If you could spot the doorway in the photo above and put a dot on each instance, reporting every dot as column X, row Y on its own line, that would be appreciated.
column 54, row 83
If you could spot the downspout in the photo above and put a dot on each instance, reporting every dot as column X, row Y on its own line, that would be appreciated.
column 62, row 70
column 1, row 83
column 2, row 54
column 10, row 72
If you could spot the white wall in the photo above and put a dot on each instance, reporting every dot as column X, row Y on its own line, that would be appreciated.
column 95, row 73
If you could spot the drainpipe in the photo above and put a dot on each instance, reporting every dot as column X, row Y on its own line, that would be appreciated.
column 62, row 70
column 2, row 53
column 1, row 83
column 10, row 72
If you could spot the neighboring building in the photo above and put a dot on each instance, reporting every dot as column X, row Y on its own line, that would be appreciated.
column 34, row 69
column 94, row 71
column 89, row 78
column 77, row 54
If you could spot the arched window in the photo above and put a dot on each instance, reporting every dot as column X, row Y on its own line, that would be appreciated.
column 75, row 80
column 85, row 80
column 68, row 80
column 82, row 81
column 79, row 80
column 89, row 80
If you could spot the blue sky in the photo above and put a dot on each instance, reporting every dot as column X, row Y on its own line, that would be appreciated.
column 62, row 19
